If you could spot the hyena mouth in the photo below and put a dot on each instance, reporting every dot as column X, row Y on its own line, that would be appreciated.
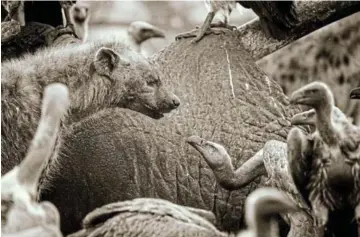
column 152, row 112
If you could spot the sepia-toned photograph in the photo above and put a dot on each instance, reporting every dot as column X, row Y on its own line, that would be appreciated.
column 180, row 118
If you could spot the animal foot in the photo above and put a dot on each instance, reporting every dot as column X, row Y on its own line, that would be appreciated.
column 357, row 215
column 320, row 219
column 319, row 222
column 223, row 25
column 185, row 35
column 214, row 31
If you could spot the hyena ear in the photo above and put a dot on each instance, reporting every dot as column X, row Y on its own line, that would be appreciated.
column 106, row 60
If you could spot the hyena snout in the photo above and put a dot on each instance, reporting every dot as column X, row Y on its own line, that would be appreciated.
column 168, row 101
column 175, row 102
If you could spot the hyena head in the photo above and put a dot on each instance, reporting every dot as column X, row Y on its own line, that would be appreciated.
column 134, row 84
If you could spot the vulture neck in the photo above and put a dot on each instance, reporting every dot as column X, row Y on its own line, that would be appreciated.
column 324, row 124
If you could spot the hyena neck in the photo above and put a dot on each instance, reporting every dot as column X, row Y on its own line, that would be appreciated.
column 89, row 93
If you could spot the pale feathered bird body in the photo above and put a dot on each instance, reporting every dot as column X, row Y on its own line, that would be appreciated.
column 325, row 165
column 21, row 215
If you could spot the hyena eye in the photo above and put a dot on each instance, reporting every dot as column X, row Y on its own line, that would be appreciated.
column 153, row 82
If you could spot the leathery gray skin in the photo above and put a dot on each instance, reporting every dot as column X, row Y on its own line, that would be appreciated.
column 336, row 143
column 157, row 218
column 118, row 155
column 270, row 161
column 147, row 217
column 21, row 215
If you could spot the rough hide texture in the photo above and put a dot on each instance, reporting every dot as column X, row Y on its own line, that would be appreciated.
column 331, row 55
column 97, row 78
column 312, row 16
column 116, row 155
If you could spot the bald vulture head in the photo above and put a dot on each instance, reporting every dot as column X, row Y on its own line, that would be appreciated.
column 79, row 17
column 140, row 31
column 309, row 117
column 261, row 207
column 215, row 155
column 20, row 213
column 355, row 94
column 316, row 95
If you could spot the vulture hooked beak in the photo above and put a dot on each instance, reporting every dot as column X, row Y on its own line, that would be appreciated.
column 299, row 97
column 304, row 118
column 355, row 94
column 155, row 32
column 197, row 142
column 142, row 31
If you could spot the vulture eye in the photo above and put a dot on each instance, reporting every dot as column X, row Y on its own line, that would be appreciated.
column 313, row 91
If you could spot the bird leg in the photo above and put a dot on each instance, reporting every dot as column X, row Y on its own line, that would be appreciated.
column 357, row 218
column 206, row 29
column 203, row 29
column 320, row 215
column 223, row 24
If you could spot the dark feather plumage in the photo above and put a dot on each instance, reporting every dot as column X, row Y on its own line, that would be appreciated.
column 276, row 17
column 335, row 157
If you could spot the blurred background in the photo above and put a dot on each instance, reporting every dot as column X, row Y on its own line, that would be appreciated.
column 174, row 17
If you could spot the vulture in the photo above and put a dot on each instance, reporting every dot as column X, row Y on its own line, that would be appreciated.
column 325, row 165
column 261, row 206
column 79, row 16
column 309, row 117
column 270, row 162
column 140, row 31
column 276, row 17
column 21, row 215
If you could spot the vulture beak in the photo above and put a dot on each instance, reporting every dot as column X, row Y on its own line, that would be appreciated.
column 304, row 118
column 155, row 32
column 355, row 94
column 297, row 97
column 196, row 142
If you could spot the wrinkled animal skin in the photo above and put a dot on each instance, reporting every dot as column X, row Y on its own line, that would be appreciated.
column 117, row 154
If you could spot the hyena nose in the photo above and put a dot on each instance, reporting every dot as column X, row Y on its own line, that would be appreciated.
column 176, row 102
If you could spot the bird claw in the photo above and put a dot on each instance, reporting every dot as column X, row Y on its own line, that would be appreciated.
column 185, row 35
column 199, row 35
column 223, row 25
column 319, row 222
column 320, row 218
column 357, row 215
